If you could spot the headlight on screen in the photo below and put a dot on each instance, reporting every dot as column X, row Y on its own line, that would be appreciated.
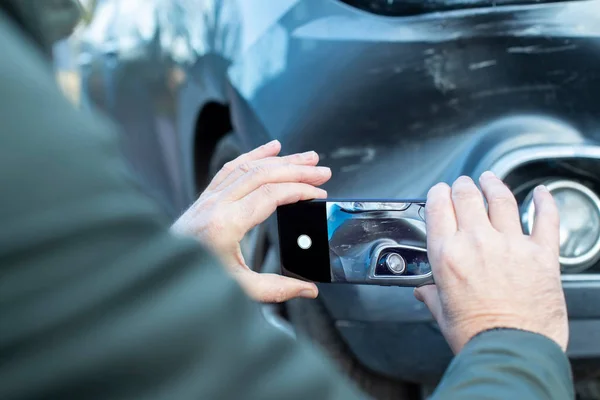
column 579, row 210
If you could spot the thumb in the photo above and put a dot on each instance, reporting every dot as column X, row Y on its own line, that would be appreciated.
column 273, row 288
column 429, row 295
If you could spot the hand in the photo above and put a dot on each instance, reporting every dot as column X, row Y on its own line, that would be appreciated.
column 488, row 274
column 244, row 194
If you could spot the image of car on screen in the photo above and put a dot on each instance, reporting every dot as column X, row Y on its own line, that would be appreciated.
column 377, row 242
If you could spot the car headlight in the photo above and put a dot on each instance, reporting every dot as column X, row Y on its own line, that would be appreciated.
column 579, row 210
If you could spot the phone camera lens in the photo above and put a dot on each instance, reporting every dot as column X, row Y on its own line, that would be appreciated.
column 395, row 263
column 304, row 242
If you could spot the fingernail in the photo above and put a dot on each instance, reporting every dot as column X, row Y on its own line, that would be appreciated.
column 308, row 293
column 464, row 179
column 324, row 170
column 272, row 143
column 323, row 194
column 487, row 175
column 309, row 155
column 541, row 189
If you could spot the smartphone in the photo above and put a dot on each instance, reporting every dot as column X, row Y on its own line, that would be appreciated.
column 372, row 242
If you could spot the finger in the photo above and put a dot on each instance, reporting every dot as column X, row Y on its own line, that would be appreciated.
column 503, row 211
column 262, row 175
column 468, row 205
column 429, row 295
column 439, row 215
column 309, row 158
column 255, row 208
column 270, row 149
column 546, row 225
column 272, row 288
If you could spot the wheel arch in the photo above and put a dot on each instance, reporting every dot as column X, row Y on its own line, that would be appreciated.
column 213, row 122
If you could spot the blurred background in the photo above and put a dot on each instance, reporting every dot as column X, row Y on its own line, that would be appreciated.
column 66, row 53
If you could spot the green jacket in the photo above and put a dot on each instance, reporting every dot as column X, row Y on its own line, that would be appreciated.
column 99, row 301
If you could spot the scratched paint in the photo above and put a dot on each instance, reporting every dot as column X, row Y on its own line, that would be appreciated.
column 482, row 64
column 540, row 49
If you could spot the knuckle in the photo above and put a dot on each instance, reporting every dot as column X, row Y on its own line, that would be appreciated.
column 244, row 167
column 290, row 168
column 302, row 174
column 449, row 258
column 259, row 171
column 479, row 241
column 280, row 295
column 268, row 190
column 296, row 197
column 447, row 252
column 228, row 167
column 294, row 158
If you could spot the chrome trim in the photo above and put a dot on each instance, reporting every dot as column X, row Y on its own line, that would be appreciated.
column 580, row 278
column 505, row 164
column 390, row 279
column 510, row 161
column 585, row 260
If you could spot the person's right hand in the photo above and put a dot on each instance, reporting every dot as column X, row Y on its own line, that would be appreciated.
column 488, row 274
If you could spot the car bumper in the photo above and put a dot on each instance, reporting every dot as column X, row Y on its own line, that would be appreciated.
column 393, row 334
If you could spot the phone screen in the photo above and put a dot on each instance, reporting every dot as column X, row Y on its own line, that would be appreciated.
column 355, row 241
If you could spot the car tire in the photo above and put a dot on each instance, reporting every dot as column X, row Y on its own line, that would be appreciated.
column 311, row 319
column 227, row 149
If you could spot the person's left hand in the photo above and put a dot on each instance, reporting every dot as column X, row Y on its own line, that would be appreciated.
column 244, row 194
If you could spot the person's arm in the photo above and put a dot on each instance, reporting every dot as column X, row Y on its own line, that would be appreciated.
column 97, row 298
column 508, row 364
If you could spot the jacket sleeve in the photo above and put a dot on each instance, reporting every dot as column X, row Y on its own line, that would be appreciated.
column 508, row 364
column 97, row 299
